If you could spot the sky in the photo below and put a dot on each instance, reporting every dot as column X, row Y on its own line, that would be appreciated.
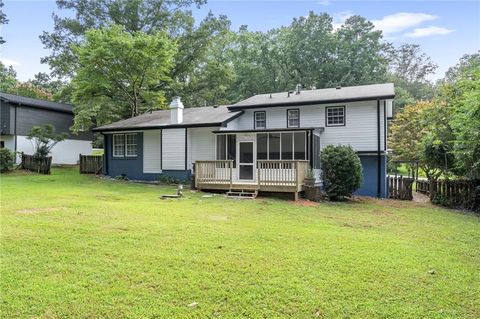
column 446, row 30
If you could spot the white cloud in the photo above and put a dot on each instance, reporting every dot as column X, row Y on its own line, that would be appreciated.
column 401, row 21
column 340, row 17
column 8, row 62
column 428, row 31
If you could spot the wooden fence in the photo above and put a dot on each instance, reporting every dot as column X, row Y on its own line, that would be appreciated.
column 91, row 164
column 400, row 187
column 36, row 164
column 452, row 193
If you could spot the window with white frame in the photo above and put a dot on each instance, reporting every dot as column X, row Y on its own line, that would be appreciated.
column 335, row 116
column 124, row 145
column 119, row 145
column 293, row 118
column 260, row 120
column 284, row 146
column 130, row 144
column 227, row 147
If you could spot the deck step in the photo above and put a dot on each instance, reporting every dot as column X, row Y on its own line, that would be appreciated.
column 242, row 193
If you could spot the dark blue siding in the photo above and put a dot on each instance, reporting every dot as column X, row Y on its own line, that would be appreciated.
column 370, row 171
column 132, row 167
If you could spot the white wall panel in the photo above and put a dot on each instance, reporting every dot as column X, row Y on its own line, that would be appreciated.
column 201, row 144
column 65, row 152
column 151, row 151
column 173, row 148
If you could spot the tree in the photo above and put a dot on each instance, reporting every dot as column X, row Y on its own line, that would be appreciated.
column 360, row 54
column 341, row 171
column 3, row 19
column 120, row 75
column 46, row 82
column 8, row 78
column 44, row 138
column 29, row 90
column 149, row 16
column 421, row 133
column 460, row 91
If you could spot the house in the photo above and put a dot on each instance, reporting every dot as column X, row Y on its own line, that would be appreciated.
column 264, row 143
column 19, row 114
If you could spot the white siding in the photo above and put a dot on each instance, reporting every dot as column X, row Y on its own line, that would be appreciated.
column 360, row 130
column 65, row 152
column 151, row 151
column 9, row 141
column 201, row 144
column 173, row 147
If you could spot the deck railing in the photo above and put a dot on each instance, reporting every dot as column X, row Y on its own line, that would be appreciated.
column 219, row 172
column 270, row 175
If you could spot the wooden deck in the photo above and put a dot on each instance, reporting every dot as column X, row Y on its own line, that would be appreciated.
column 271, row 176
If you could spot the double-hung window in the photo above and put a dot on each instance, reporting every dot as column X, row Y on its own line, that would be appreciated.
column 125, row 145
column 335, row 115
column 260, row 120
column 293, row 118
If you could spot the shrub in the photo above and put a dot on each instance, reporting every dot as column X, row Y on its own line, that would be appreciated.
column 7, row 160
column 341, row 171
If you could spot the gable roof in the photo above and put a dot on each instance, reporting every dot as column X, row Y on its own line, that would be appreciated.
column 37, row 103
column 320, row 96
column 192, row 117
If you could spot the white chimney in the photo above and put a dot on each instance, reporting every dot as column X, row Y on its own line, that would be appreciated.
column 176, row 111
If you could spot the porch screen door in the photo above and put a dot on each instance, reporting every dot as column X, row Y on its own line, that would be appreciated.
column 245, row 161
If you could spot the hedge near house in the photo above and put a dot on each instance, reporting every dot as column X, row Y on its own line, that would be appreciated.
column 7, row 160
column 341, row 171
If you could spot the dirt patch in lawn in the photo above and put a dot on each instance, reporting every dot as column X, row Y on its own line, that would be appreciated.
column 39, row 210
column 305, row 203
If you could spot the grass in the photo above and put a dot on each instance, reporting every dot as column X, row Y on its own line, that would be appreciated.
column 78, row 246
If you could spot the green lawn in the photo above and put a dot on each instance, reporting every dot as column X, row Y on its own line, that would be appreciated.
column 77, row 246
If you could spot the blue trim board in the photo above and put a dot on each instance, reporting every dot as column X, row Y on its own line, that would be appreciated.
column 370, row 171
column 132, row 167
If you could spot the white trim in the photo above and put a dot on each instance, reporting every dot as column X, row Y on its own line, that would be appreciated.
column 126, row 144
column 113, row 145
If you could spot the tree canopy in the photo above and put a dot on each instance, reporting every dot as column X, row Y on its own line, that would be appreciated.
column 120, row 74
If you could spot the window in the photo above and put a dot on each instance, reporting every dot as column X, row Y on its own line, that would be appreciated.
column 335, row 116
column 285, row 146
column 125, row 145
column 119, row 145
column 260, row 120
column 227, row 147
column 293, row 118
column 299, row 142
column 274, row 146
column 262, row 146
column 131, row 145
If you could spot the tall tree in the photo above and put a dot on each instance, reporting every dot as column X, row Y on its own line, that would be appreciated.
column 8, row 78
column 3, row 19
column 120, row 75
column 149, row 16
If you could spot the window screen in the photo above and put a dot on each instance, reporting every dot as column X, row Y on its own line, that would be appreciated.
column 300, row 145
column 260, row 120
column 118, row 145
column 293, row 118
column 131, row 144
column 335, row 115
column 274, row 146
column 287, row 146
column 262, row 146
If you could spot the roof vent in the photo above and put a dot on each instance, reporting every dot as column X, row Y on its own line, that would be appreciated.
column 298, row 88
column 270, row 95
column 289, row 92
column 215, row 106
column 338, row 87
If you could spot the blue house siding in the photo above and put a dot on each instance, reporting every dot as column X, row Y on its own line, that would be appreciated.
column 132, row 167
column 370, row 171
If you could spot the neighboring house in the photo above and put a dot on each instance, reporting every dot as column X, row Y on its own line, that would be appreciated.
column 265, row 142
column 19, row 114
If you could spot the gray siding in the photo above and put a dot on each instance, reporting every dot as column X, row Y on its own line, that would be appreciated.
column 6, row 126
column 27, row 117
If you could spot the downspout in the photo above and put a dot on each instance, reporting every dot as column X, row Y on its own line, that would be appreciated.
column 105, row 154
column 311, row 149
column 379, row 164
column 186, row 149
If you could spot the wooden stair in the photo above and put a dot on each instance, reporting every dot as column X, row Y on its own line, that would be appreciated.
column 242, row 193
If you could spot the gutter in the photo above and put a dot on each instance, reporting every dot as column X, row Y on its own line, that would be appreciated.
column 316, row 102
column 379, row 156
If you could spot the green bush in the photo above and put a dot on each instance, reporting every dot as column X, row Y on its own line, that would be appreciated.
column 341, row 171
column 7, row 160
